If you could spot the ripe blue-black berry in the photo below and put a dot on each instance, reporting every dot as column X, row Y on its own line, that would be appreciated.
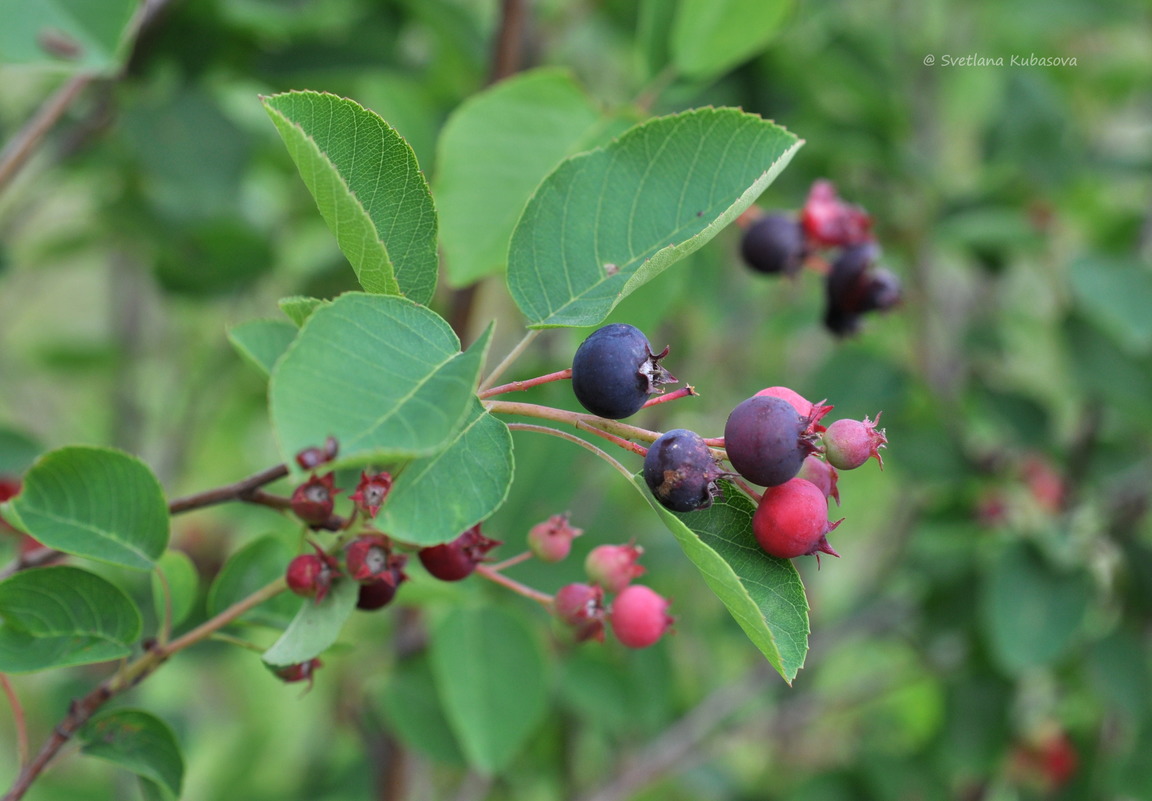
column 614, row 371
column 680, row 471
column 855, row 286
column 766, row 440
column 774, row 243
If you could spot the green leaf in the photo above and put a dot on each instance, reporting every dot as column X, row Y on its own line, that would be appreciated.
column 62, row 616
column 713, row 36
column 412, row 706
column 299, row 309
column 17, row 452
column 251, row 568
column 315, row 627
column 262, row 342
column 1031, row 612
column 1114, row 294
column 74, row 35
column 95, row 502
column 764, row 594
column 606, row 222
column 431, row 503
column 381, row 374
column 137, row 741
column 533, row 120
column 491, row 674
column 183, row 581
column 368, row 187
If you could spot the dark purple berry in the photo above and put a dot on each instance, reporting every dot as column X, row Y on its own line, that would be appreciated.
column 855, row 286
column 378, row 594
column 766, row 440
column 614, row 371
column 456, row 560
column 773, row 244
column 681, row 472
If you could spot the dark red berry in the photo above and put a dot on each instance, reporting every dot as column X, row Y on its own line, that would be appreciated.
column 369, row 558
column 378, row 594
column 371, row 492
column 614, row 371
column 773, row 244
column 828, row 221
column 313, row 501
column 302, row 671
column 551, row 541
column 613, row 566
column 766, row 440
column 456, row 560
column 850, row 443
column 639, row 616
column 792, row 520
column 681, row 471
column 311, row 574
column 311, row 458
column 581, row 607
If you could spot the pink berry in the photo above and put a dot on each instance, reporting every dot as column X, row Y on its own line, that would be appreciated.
column 456, row 560
column 792, row 520
column 812, row 412
column 822, row 474
column 613, row 566
column 639, row 616
column 849, row 443
column 581, row 607
column 551, row 541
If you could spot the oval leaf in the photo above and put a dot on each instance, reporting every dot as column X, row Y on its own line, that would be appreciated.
column 368, row 187
column 764, row 594
column 532, row 120
column 490, row 672
column 381, row 374
column 606, row 222
column 137, row 741
column 315, row 627
column 60, row 616
column 181, row 581
column 17, row 452
column 262, row 342
column 95, row 502
column 418, row 509
column 256, row 565
column 712, row 36
column 412, row 707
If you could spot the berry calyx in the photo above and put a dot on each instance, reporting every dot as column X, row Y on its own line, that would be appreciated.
column 812, row 412
column 311, row 574
column 581, row 608
column 639, row 616
column 614, row 371
column 301, row 671
column 456, row 560
column 773, row 244
column 313, row 501
column 766, row 440
column 371, row 492
column 613, row 566
column 822, row 474
column 369, row 558
column 311, row 458
column 792, row 520
column 850, row 443
column 681, row 471
column 551, row 540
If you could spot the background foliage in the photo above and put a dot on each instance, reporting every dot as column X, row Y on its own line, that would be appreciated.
column 994, row 592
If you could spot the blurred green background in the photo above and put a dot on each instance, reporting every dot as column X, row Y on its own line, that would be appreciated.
column 986, row 634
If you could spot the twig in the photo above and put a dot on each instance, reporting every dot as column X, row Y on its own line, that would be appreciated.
column 627, row 445
column 583, row 443
column 683, row 392
column 17, row 719
column 512, row 560
column 244, row 489
column 572, row 418
column 512, row 356
column 528, row 383
column 516, row 587
column 21, row 147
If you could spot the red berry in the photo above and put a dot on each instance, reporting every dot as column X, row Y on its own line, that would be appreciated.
column 302, row 671
column 792, row 520
column 551, row 541
column 613, row 566
column 312, row 501
column 830, row 222
column 311, row 458
column 378, row 594
column 822, row 474
column 849, row 443
column 371, row 492
column 639, row 616
column 581, row 607
column 813, row 412
column 456, row 560
column 311, row 574
column 369, row 558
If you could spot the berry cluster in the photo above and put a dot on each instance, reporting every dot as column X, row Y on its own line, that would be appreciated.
column 638, row 615
column 778, row 243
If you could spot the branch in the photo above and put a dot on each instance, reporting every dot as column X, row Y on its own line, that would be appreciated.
column 21, row 147
column 243, row 490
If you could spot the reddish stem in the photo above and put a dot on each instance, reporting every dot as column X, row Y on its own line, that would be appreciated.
column 18, row 720
column 627, row 445
column 683, row 392
column 528, row 383
column 520, row 589
column 509, row 562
